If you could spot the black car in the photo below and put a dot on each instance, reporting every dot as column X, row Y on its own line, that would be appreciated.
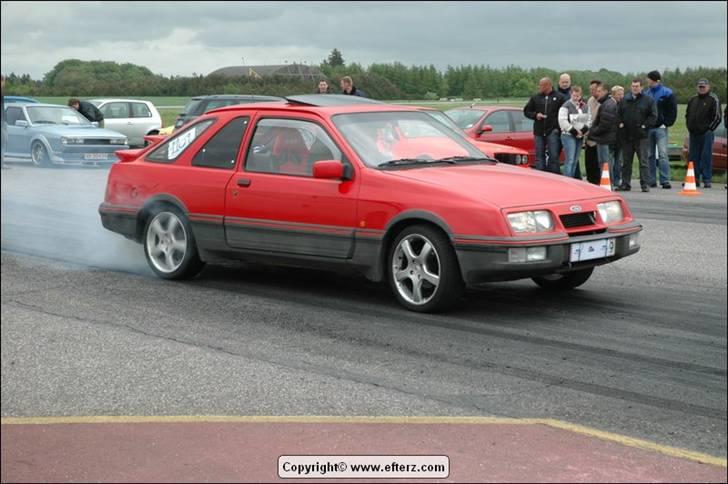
column 201, row 104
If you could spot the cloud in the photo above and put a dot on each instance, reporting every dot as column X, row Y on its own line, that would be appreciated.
column 184, row 37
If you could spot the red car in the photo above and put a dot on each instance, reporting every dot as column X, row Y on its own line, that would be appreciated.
column 506, row 125
column 719, row 149
column 315, row 181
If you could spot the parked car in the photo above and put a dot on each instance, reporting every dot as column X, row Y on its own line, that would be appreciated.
column 719, row 149
column 199, row 105
column 506, row 125
column 48, row 134
column 326, row 183
column 132, row 117
column 502, row 153
column 19, row 100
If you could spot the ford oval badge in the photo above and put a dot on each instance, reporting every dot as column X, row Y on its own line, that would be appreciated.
column 575, row 208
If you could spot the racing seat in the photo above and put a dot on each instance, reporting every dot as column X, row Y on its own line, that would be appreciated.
column 291, row 153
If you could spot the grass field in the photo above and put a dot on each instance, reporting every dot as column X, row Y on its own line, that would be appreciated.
column 170, row 107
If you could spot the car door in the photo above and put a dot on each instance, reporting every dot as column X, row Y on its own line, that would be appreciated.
column 273, row 204
column 18, row 144
column 117, row 117
column 499, row 123
column 522, row 135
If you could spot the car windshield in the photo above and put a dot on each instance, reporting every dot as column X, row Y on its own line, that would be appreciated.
column 465, row 118
column 379, row 138
column 444, row 119
column 55, row 115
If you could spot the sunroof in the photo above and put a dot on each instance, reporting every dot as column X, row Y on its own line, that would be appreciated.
column 326, row 100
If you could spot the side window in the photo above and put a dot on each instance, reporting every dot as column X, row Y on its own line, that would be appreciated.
column 140, row 110
column 172, row 148
column 221, row 150
column 115, row 110
column 289, row 147
column 13, row 114
column 219, row 103
column 521, row 122
column 499, row 120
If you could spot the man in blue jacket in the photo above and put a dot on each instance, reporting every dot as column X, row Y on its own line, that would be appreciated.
column 657, row 136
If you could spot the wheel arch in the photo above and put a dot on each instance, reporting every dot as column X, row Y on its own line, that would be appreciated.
column 157, row 201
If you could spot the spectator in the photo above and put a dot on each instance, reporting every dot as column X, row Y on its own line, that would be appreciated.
column 543, row 108
column 604, row 127
column 591, row 159
column 565, row 86
column 638, row 113
column 657, row 136
column 323, row 87
column 702, row 116
column 347, row 87
column 89, row 111
column 616, row 173
column 3, row 122
column 574, row 121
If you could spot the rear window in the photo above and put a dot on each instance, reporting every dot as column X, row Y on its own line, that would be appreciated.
column 172, row 148
column 193, row 107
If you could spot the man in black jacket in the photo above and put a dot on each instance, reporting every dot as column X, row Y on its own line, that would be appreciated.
column 543, row 108
column 637, row 114
column 703, row 116
column 89, row 111
column 604, row 127
column 348, row 87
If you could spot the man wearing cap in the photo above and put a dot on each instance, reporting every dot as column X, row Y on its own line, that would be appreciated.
column 702, row 116
column 657, row 136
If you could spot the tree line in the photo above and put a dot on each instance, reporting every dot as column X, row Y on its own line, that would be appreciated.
column 386, row 81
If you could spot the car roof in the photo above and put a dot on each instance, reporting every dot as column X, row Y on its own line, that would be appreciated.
column 487, row 107
column 331, row 109
column 20, row 98
column 44, row 105
column 109, row 99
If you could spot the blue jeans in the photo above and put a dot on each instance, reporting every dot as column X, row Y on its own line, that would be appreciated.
column 572, row 149
column 616, row 173
column 604, row 155
column 552, row 142
column 658, row 146
column 701, row 153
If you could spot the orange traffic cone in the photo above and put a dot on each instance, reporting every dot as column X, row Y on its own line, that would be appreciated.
column 605, row 182
column 689, row 188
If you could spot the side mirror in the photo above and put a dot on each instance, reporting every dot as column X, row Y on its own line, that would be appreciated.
column 22, row 123
column 328, row 169
column 486, row 128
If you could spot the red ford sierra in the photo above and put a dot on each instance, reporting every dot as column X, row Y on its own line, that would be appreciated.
column 319, row 181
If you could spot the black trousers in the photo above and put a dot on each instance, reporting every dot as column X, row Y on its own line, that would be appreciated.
column 642, row 148
column 591, row 163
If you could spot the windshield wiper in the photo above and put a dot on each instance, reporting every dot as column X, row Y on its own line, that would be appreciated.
column 455, row 159
column 411, row 161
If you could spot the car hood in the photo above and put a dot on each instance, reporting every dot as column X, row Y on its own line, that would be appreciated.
column 498, row 148
column 503, row 185
column 78, row 131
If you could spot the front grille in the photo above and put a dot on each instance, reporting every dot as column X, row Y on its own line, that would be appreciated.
column 88, row 141
column 505, row 158
column 578, row 219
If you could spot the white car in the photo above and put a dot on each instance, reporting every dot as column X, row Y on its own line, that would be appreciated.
column 132, row 117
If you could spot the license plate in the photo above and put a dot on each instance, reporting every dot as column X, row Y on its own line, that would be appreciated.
column 594, row 249
column 95, row 156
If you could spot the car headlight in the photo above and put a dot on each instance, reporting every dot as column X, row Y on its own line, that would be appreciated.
column 524, row 159
column 610, row 212
column 71, row 141
column 531, row 222
column 118, row 141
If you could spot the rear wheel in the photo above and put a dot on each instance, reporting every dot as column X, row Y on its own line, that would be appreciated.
column 169, row 245
column 565, row 281
column 423, row 270
column 39, row 154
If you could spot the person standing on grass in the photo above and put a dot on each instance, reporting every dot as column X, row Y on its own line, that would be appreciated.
column 543, row 108
column 702, row 116
column 657, row 136
column 616, row 148
column 591, row 159
column 604, row 127
column 638, row 113
column 574, row 121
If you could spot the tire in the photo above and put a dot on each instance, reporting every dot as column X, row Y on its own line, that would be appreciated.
column 169, row 245
column 565, row 281
column 39, row 154
column 424, row 282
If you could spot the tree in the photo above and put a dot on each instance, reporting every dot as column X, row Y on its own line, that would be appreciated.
column 335, row 59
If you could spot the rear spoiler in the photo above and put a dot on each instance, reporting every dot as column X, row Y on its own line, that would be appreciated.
column 126, row 156
column 153, row 139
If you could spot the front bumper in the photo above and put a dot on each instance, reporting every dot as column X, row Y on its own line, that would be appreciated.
column 488, row 261
column 77, row 156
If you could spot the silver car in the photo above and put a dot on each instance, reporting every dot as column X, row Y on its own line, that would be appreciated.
column 132, row 117
column 48, row 134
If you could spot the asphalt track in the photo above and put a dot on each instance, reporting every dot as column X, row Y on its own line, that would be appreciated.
column 639, row 351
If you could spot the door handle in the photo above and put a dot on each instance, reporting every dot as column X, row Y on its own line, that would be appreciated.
column 244, row 182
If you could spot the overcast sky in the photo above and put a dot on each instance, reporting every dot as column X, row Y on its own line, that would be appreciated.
column 184, row 37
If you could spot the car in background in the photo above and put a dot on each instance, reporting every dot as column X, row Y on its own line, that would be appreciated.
column 49, row 134
column 502, row 153
column 327, row 183
column 719, row 149
column 506, row 125
column 199, row 105
column 132, row 117
column 19, row 100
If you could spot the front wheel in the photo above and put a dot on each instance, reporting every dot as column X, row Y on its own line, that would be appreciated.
column 169, row 245
column 565, row 281
column 423, row 270
column 39, row 154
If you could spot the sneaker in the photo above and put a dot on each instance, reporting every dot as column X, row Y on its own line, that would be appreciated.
column 666, row 186
column 645, row 188
column 707, row 185
column 653, row 185
column 623, row 188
